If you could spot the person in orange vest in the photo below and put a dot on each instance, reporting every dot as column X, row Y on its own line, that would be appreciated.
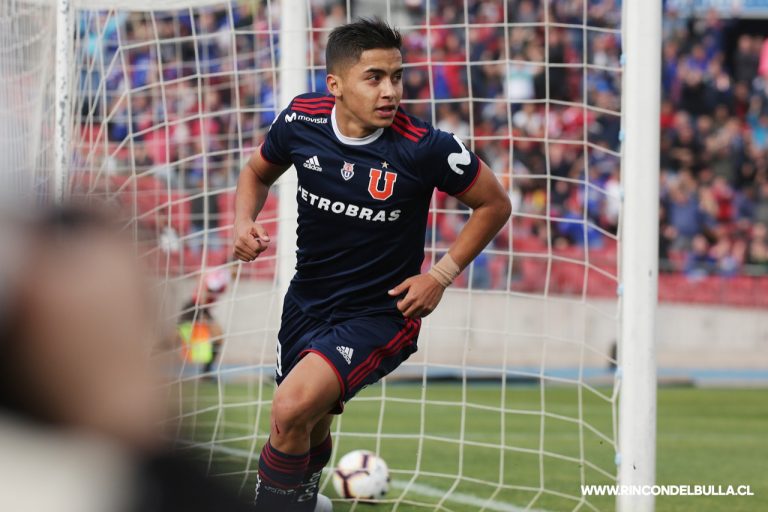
column 200, row 334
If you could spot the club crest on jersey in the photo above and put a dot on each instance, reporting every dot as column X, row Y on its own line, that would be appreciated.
column 348, row 171
column 374, row 189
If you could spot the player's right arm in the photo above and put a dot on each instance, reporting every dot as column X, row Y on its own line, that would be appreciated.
column 251, row 238
column 266, row 164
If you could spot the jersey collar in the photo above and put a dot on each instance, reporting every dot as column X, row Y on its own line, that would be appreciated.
column 353, row 141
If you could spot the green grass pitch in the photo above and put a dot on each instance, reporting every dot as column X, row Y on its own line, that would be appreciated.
column 705, row 436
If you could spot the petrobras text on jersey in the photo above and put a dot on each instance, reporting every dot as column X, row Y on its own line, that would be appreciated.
column 301, row 117
column 348, row 209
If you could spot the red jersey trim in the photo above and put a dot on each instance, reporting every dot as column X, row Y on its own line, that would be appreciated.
column 477, row 175
column 311, row 111
column 399, row 115
column 409, row 129
column 403, row 133
column 261, row 152
column 330, row 99
column 340, row 406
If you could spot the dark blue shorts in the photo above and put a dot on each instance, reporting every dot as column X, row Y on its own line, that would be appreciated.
column 360, row 350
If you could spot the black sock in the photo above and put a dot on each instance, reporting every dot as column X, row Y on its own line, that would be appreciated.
column 306, row 494
column 207, row 367
column 279, row 476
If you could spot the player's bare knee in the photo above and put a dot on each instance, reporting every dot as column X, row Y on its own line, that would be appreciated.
column 292, row 415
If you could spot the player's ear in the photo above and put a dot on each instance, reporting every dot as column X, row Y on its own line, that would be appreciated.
column 333, row 82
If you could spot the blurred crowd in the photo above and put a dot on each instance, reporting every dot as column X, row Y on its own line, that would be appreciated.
column 714, row 139
column 197, row 98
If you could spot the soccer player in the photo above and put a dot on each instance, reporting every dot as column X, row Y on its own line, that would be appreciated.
column 366, row 172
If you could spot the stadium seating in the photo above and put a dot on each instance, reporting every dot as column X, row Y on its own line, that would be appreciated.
column 714, row 188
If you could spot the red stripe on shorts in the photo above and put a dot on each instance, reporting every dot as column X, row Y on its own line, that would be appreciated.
column 401, row 339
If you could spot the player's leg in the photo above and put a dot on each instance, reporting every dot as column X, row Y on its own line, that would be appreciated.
column 304, row 398
column 322, row 431
column 348, row 355
column 208, row 367
column 320, row 447
column 361, row 350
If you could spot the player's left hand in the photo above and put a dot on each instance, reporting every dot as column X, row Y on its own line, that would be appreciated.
column 422, row 295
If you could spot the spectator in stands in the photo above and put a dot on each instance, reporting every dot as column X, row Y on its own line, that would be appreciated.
column 745, row 60
column 700, row 263
column 714, row 114
column 757, row 253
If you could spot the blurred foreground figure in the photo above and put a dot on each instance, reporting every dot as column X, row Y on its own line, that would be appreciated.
column 81, row 402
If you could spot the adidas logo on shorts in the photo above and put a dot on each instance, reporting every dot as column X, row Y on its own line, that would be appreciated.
column 346, row 353
column 313, row 163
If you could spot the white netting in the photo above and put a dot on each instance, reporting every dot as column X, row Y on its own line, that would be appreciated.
column 27, row 43
column 510, row 401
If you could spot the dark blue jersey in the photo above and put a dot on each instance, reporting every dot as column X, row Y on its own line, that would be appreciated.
column 362, row 203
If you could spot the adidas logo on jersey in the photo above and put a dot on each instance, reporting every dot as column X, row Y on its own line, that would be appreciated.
column 346, row 353
column 313, row 163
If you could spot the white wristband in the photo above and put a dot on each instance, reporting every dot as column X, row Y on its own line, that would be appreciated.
column 445, row 270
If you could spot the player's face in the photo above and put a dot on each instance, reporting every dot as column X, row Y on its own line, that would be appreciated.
column 372, row 88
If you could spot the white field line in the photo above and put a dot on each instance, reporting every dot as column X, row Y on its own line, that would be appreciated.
column 459, row 497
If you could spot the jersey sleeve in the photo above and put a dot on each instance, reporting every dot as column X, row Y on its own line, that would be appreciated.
column 276, row 146
column 451, row 167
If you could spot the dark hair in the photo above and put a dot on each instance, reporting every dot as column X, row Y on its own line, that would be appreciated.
column 347, row 42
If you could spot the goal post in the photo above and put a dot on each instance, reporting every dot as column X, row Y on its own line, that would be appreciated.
column 639, row 252
column 64, row 71
column 294, row 36
column 510, row 403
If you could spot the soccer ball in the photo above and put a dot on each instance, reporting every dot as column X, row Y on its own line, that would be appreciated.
column 361, row 475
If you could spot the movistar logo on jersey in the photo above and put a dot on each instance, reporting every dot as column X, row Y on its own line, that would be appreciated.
column 289, row 118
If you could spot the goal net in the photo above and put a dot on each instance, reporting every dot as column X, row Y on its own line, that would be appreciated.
column 26, row 98
column 511, row 401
